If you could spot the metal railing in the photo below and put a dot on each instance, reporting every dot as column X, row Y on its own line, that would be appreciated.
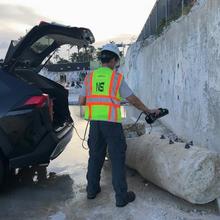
column 163, row 12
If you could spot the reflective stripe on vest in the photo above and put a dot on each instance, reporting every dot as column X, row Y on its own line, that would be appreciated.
column 102, row 95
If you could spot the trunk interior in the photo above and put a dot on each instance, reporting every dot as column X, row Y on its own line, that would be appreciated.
column 56, row 92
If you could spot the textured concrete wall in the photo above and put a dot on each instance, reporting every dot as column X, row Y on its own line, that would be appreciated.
column 181, row 71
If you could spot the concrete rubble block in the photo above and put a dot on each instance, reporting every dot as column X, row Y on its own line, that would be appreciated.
column 134, row 130
column 192, row 174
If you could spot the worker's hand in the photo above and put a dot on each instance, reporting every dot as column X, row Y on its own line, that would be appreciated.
column 154, row 111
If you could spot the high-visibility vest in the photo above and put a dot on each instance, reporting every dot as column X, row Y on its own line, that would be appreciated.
column 102, row 95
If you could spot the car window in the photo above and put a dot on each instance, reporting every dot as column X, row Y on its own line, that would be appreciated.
column 42, row 44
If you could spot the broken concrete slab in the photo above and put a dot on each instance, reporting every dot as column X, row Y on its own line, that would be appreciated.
column 134, row 130
column 192, row 174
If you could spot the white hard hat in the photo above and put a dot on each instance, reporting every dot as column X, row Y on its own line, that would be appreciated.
column 111, row 47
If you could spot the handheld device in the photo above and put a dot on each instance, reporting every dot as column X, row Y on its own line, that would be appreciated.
column 151, row 118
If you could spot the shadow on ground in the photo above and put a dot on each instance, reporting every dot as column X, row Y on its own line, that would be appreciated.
column 34, row 194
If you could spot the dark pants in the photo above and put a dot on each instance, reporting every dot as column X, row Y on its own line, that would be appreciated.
column 101, row 135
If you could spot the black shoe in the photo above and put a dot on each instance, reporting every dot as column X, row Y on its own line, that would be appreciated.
column 130, row 197
column 93, row 196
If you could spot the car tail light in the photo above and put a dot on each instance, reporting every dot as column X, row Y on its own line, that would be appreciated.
column 38, row 101
column 41, row 101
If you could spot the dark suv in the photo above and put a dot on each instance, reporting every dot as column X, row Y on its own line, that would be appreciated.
column 35, row 122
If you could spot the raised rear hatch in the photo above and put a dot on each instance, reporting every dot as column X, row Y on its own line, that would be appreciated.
column 41, row 41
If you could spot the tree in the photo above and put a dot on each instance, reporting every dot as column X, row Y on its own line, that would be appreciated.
column 56, row 57
column 62, row 61
column 85, row 54
column 97, row 54
column 74, row 57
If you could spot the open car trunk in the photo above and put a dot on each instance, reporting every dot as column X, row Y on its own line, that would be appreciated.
column 24, row 61
column 57, row 94
column 40, row 42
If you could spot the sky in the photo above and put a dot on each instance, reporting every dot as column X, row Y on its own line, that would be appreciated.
column 106, row 19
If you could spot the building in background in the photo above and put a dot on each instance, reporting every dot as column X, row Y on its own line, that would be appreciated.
column 68, row 74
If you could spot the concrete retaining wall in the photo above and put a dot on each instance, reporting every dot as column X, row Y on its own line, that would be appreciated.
column 181, row 71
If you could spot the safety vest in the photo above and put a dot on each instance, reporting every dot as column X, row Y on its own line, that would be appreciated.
column 102, row 95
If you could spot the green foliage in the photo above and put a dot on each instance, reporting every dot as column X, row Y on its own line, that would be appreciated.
column 84, row 55
column 186, row 9
column 161, row 26
column 177, row 14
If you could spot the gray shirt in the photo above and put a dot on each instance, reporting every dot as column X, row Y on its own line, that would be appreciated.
column 124, row 90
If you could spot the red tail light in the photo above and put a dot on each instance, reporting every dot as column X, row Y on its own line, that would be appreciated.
column 38, row 101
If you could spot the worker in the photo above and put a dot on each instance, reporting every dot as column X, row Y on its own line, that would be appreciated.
column 102, row 93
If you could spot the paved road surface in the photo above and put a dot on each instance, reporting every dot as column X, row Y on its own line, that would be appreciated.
column 62, row 196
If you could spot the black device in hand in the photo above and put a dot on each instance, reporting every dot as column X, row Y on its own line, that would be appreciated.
column 152, row 117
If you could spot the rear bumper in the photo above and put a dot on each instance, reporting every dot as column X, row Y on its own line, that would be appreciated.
column 51, row 146
column 64, row 139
